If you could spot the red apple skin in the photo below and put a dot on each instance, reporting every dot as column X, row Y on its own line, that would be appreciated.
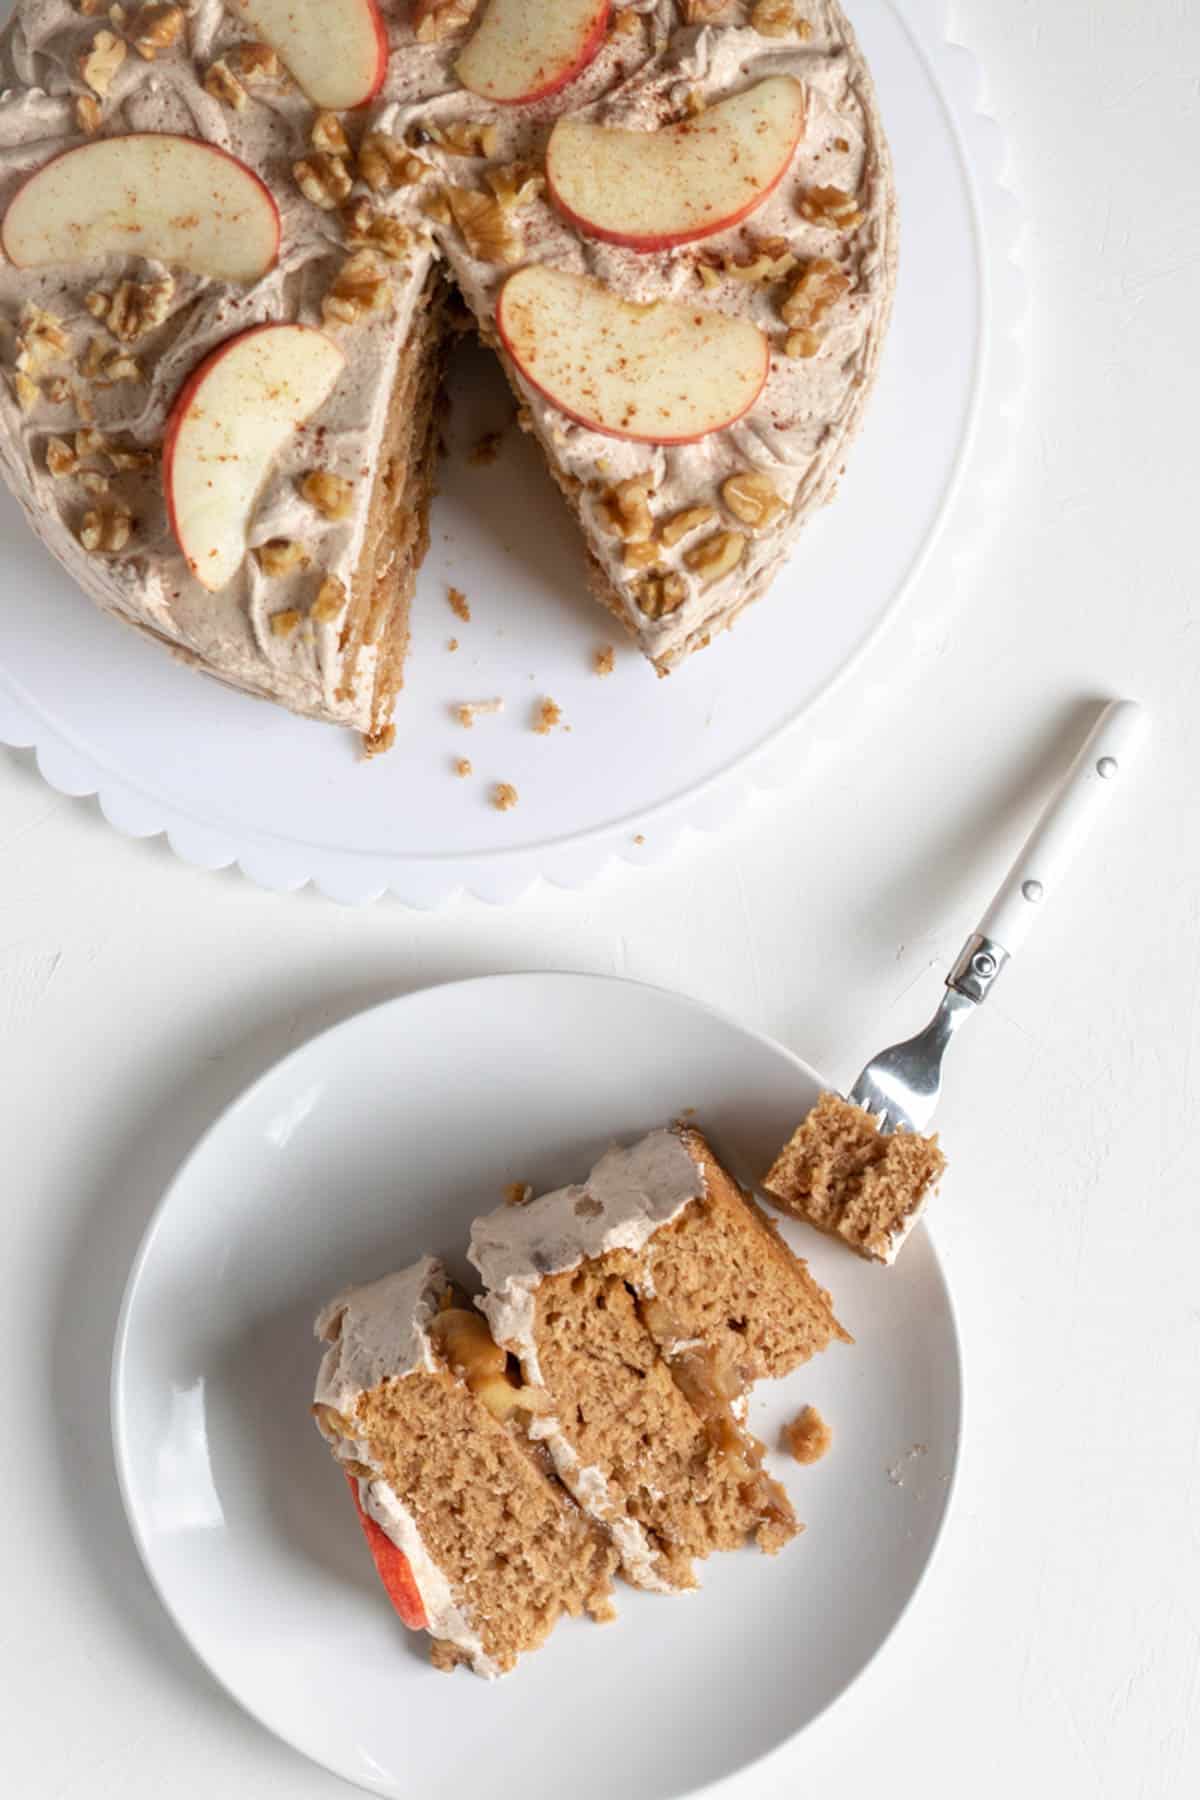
column 588, row 52
column 392, row 1567
column 633, row 437
column 381, row 40
column 77, row 149
column 183, row 400
column 673, row 240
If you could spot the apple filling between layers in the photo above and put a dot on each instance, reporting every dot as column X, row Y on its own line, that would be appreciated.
column 642, row 1305
column 476, row 1542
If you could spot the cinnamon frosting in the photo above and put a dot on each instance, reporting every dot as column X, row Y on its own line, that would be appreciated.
column 796, row 433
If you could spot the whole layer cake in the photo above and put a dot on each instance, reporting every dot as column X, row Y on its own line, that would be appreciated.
column 675, row 221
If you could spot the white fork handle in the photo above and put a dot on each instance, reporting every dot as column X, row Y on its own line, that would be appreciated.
column 1098, row 772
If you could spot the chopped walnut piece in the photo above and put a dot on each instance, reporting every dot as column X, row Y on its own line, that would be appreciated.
column 90, row 443
column 58, row 390
column 106, row 529
column 769, row 262
column 27, row 391
column 100, row 61
column 644, row 554
column 625, row 509
column 280, row 556
column 60, row 457
column 131, row 459
column 773, row 18
column 284, row 623
column 808, row 1436
column 120, row 367
column 368, row 229
column 93, row 357
column 221, row 82
column 751, row 497
column 462, row 767
column 504, row 796
column 323, row 179
column 442, row 18
column 97, row 302
column 459, row 605
column 89, row 114
column 117, row 15
column 518, row 1193
column 255, row 62
column 93, row 481
column 514, row 184
column 156, row 28
column 605, row 660
column 547, row 716
column 659, row 595
column 137, row 307
column 436, row 206
column 41, row 339
column 489, row 232
column 384, row 164
column 690, row 519
column 327, row 134
column 361, row 287
column 831, row 207
column 332, row 495
column 330, row 602
column 463, row 137
column 716, row 556
column 813, row 297
column 92, row 9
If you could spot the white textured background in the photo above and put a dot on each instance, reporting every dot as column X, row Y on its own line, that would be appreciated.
column 1056, row 1647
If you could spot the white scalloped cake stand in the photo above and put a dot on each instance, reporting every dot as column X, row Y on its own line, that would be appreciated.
column 229, row 779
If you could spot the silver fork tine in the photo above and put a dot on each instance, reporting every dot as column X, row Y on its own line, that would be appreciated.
column 903, row 1083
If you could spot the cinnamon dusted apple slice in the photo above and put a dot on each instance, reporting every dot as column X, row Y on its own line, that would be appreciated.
column 526, row 50
column 336, row 50
column 232, row 417
column 392, row 1567
column 655, row 189
column 662, row 374
column 175, row 199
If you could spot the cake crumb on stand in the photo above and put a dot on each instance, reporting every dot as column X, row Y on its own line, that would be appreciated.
column 462, row 767
column 547, row 715
column 518, row 1193
column 467, row 711
column 807, row 1437
column 504, row 796
column 605, row 660
column 459, row 605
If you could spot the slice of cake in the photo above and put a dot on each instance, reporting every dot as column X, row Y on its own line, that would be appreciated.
column 846, row 1177
column 641, row 1304
column 476, row 1543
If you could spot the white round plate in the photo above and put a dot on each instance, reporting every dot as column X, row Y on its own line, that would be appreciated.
column 383, row 1139
column 231, row 779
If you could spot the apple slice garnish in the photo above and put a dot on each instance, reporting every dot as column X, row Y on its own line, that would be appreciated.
column 654, row 189
column 392, row 1567
column 174, row 199
column 526, row 50
column 335, row 50
column 231, row 418
column 661, row 374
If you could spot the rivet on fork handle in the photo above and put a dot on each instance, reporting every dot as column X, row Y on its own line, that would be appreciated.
column 979, row 966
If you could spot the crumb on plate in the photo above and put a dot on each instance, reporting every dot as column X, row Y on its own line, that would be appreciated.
column 504, row 796
column 807, row 1437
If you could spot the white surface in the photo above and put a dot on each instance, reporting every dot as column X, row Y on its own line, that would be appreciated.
column 1103, row 770
column 1054, row 1648
column 233, row 1493
column 291, row 800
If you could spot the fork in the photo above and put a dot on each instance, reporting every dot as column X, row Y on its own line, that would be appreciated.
column 900, row 1087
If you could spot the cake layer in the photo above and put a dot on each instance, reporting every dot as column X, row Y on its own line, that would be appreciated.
column 644, row 1303
column 494, row 1551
